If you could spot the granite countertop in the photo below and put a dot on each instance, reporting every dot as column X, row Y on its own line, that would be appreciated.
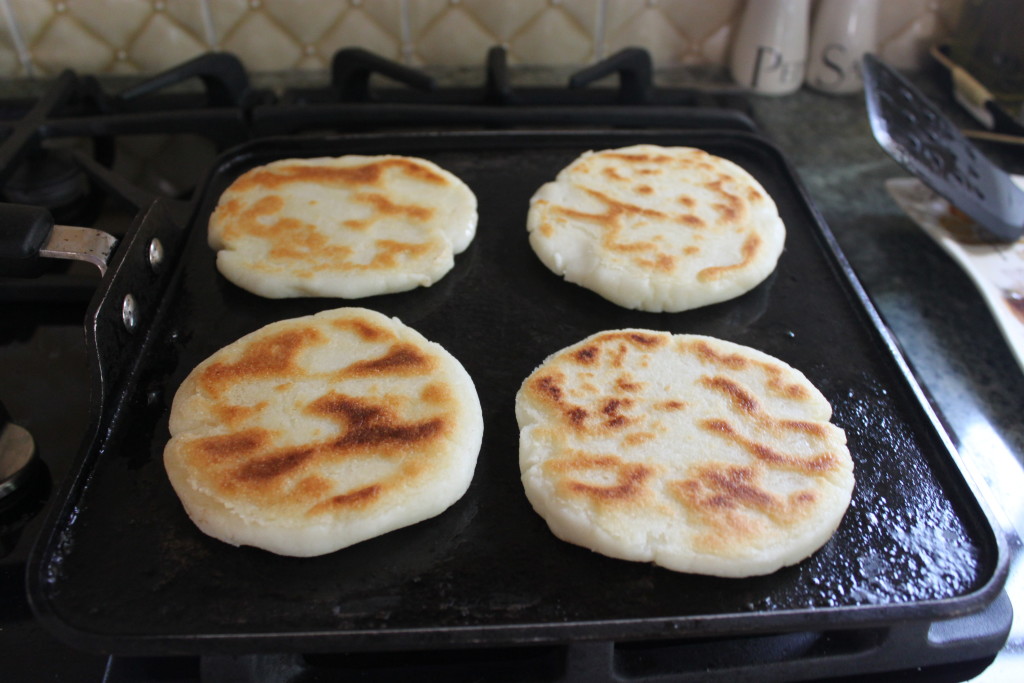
column 931, row 306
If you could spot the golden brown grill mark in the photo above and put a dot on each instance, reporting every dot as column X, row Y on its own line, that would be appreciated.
column 748, row 252
column 385, row 207
column 357, row 224
column 371, row 173
column 732, row 503
column 818, row 463
column 358, row 498
column 614, row 174
column 706, row 352
column 273, row 466
column 389, row 251
column 231, row 446
column 375, row 426
column 741, row 398
column 362, row 328
column 293, row 240
column 246, row 463
column 401, row 359
column 436, row 393
column 247, row 220
column 731, row 208
column 626, row 384
column 639, row 157
column 637, row 438
column 273, row 356
column 612, row 223
column 232, row 415
column 815, row 429
column 612, row 411
column 549, row 387
column 577, row 416
column 588, row 355
column 626, row 340
column 747, row 404
column 639, row 339
column 775, row 382
column 630, row 478
column 662, row 262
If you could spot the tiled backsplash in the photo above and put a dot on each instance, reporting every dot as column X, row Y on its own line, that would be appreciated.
column 38, row 38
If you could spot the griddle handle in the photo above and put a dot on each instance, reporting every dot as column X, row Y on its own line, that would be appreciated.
column 24, row 231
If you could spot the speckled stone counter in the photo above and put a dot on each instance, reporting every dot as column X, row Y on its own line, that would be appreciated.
column 931, row 306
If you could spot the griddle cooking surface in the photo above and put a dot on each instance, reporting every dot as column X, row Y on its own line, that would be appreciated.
column 127, row 571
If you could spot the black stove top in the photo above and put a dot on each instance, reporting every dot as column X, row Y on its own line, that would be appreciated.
column 95, row 158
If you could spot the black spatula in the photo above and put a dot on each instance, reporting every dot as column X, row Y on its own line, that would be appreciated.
column 918, row 136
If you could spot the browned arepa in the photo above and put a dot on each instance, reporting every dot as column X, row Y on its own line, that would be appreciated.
column 311, row 434
column 349, row 227
column 694, row 453
column 657, row 228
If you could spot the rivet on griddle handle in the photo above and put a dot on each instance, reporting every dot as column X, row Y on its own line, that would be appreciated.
column 129, row 313
column 156, row 254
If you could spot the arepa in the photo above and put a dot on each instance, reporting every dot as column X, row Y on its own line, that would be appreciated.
column 697, row 454
column 349, row 227
column 312, row 434
column 657, row 228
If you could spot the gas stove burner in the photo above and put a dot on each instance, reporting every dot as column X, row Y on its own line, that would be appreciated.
column 51, row 180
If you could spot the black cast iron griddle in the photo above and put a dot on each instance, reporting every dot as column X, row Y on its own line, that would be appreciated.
column 122, row 569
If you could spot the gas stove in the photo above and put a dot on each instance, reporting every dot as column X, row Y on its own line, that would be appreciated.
column 100, row 159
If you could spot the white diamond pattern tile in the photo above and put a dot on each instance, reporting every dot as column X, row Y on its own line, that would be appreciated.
column 554, row 36
column 10, row 60
column 225, row 15
column 907, row 29
column 673, row 31
column 649, row 29
column 162, row 43
column 304, row 22
column 588, row 14
column 65, row 42
column 143, row 36
column 454, row 37
column 714, row 49
column 115, row 22
column 502, row 20
column 262, row 44
column 699, row 20
column 357, row 29
column 32, row 16
column 191, row 16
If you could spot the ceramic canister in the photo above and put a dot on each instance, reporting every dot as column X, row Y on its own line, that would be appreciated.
column 769, row 51
column 843, row 30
